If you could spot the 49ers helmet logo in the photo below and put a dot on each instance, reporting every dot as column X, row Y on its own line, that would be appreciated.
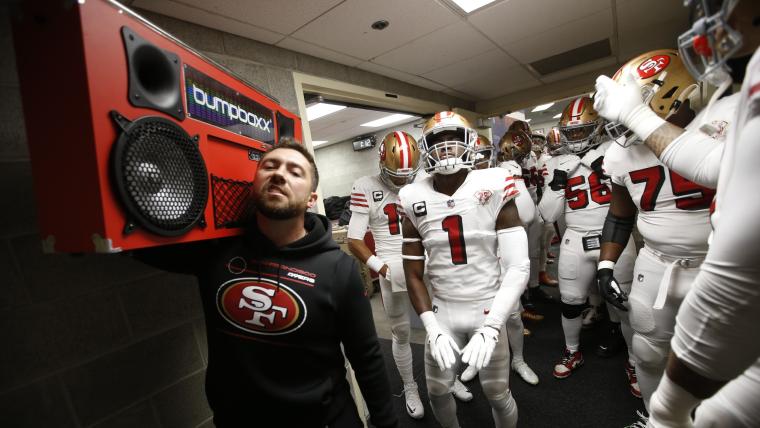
column 653, row 65
column 260, row 306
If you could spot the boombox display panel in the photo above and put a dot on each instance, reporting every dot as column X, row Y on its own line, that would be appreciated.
column 100, row 183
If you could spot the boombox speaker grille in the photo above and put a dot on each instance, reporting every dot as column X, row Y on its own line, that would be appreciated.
column 159, row 175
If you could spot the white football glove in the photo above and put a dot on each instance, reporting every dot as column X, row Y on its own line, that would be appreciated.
column 442, row 346
column 480, row 348
column 622, row 102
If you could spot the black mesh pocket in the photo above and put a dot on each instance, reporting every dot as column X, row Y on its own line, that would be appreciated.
column 160, row 175
column 232, row 202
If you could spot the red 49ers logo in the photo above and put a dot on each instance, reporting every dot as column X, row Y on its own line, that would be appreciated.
column 260, row 306
column 653, row 66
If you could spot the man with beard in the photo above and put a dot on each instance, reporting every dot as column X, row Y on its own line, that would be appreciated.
column 279, row 302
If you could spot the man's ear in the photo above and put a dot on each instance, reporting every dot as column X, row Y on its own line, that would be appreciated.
column 312, row 200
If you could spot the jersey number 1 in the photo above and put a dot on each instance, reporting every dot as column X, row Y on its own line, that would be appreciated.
column 453, row 226
column 394, row 220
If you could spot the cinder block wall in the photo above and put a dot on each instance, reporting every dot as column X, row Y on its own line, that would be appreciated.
column 101, row 340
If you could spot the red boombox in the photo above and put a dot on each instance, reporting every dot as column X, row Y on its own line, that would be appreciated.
column 136, row 140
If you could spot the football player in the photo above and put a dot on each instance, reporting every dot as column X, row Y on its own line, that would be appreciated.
column 578, row 188
column 528, row 215
column 720, row 313
column 673, row 219
column 375, row 204
column 542, row 149
column 461, row 218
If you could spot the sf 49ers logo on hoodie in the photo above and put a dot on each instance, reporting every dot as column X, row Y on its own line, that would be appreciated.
column 260, row 306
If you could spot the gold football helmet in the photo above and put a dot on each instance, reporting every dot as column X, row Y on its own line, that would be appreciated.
column 554, row 141
column 665, row 83
column 514, row 145
column 484, row 152
column 580, row 125
column 399, row 159
column 448, row 141
column 520, row 125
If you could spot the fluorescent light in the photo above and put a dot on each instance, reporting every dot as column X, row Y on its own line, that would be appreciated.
column 542, row 107
column 321, row 109
column 387, row 120
column 469, row 5
column 318, row 143
column 557, row 116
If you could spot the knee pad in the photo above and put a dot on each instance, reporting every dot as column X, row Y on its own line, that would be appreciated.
column 571, row 311
column 494, row 389
column 649, row 353
column 514, row 319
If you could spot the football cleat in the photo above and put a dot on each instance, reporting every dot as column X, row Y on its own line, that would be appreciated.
column 525, row 372
column 633, row 381
column 469, row 374
column 570, row 361
column 531, row 315
column 413, row 402
column 612, row 344
column 545, row 279
column 461, row 392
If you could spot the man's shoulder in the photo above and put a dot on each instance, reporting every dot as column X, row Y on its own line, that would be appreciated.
column 367, row 181
column 415, row 188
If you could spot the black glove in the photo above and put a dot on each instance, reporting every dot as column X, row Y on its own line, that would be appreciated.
column 610, row 288
column 596, row 166
column 559, row 181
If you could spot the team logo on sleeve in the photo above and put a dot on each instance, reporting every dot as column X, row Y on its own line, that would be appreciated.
column 483, row 196
column 377, row 195
column 419, row 209
column 260, row 306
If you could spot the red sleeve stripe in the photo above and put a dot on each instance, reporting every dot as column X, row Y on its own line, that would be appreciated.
column 754, row 88
column 355, row 204
column 510, row 194
column 359, row 195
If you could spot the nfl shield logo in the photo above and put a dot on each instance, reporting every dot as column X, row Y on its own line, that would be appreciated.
column 450, row 203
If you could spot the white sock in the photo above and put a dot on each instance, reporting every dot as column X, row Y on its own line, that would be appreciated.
column 671, row 405
column 572, row 330
column 515, row 334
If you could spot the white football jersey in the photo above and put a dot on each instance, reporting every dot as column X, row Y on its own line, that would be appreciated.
column 586, row 197
column 371, row 196
column 529, row 172
column 459, row 232
column 673, row 213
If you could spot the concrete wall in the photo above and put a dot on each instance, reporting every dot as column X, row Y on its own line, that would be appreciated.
column 339, row 165
column 103, row 341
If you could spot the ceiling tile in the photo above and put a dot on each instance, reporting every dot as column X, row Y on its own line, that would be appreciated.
column 492, row 83
column 438, row 49
column 278, row 16
column 346, row 28
column 210, row 20
column 641, row 30
column 514, row 20
column 486, row 64
column 581, row 69
column 400, row 75
column 591, row 28
column 318, row 51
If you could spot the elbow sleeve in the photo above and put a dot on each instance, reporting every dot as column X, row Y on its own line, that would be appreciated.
column 515, row 263
column 696, row 157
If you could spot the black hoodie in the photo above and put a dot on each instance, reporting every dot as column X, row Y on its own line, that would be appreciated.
column 275, row 320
